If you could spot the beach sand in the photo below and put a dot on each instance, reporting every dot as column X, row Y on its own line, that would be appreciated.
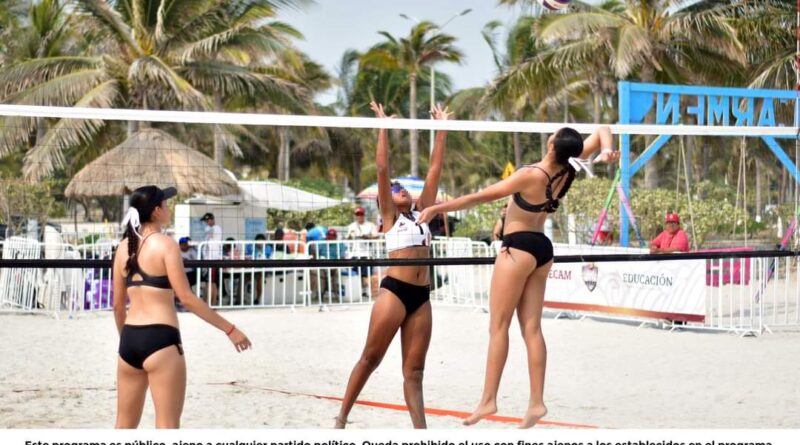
column 61, row 373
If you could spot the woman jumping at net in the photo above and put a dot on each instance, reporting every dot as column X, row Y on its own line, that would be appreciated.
column 403, row 302
column 521, row 267
column 148, row 268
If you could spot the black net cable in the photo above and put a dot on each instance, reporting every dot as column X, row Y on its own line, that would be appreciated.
column 386, row 262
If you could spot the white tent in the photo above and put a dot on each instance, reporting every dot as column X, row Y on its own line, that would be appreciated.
column 271, row 195
column 243, row 215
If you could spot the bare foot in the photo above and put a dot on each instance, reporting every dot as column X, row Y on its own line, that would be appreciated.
column 482, row 411
column 340, row 424
column 535, row 412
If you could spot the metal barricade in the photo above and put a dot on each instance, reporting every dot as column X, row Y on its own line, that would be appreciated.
column 249, row 287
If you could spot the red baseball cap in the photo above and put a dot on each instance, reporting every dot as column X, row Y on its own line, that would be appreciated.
column 673, row 217
column 331, row 233
column 360, row 210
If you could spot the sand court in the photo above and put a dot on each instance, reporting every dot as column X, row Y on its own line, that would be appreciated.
column 61, row 374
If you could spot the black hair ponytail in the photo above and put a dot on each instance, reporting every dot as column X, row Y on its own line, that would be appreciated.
column 143, row 201
column 567, row 143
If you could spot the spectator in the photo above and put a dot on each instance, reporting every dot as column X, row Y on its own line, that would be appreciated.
column 439, row 226
column 497, row 231
column 230, row 251
column 188, row 253
column 259, row 250
column 213, row 251
column 672, row 239
column 315, row 232
column 361, row 229
column 325, row 281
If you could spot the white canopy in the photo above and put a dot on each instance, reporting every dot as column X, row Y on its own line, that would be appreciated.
column 271, row 195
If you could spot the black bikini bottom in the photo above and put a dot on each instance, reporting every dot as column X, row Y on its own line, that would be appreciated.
column 137, row 342
column 535, row 243
column 411, row 295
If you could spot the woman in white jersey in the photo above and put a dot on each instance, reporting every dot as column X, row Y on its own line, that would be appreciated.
column 403, row 301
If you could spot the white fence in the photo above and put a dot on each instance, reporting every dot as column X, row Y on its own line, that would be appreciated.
column 747, row 295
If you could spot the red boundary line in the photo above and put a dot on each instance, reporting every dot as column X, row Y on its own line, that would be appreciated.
column 396, row 407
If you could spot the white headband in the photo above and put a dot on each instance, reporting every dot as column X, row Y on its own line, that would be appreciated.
column 581, row 164
column 132, row 218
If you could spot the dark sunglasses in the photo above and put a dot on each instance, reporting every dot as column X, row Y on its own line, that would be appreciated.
column 397, row 188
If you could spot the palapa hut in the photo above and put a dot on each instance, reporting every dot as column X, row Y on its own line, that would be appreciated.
column 151, row 156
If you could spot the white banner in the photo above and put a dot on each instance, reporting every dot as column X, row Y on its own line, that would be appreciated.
column 655, row 289
column 399, row 437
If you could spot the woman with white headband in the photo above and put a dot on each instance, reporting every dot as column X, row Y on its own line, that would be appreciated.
column 148, row 269
column 521, row 268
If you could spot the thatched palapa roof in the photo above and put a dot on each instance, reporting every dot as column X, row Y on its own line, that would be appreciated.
column 151, row 156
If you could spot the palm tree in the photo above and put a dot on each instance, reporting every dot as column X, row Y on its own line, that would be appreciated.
column 11, row 11
column 773, row 65
column 149, row 54
column 651, row 40
column 424, row 46
column 520, row 45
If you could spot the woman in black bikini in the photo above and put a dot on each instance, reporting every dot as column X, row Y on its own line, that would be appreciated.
column 521, row 268
column 148, row 269
column 403, row 302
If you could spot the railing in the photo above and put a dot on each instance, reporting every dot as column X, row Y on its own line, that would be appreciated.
column 741, row 294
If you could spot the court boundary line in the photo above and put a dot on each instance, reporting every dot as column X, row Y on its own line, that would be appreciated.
column 398, row 407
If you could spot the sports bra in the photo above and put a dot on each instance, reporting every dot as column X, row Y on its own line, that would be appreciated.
column 407, row 233
column 160, row 281
column 551, row 204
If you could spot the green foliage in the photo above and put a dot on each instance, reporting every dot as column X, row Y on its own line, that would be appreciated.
column 20, row 201
column 316, row 185
column 341, row 215
column 711, row 215
column 479, row 221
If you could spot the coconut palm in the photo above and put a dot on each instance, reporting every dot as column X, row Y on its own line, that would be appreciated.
column 424, row 46
column 773, row 21
column 149, row 54
column 650, row 40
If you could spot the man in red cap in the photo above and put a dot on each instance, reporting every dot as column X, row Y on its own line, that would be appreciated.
column 361, row 229
column 672, row 239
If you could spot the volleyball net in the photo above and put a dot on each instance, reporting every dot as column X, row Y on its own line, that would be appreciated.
column 280, row 211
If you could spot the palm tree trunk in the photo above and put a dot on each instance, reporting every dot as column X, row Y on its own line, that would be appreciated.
column 412, row 113
column 284, row 161
column 758, row 191
column 651, row 176
column 517, row 142
column 517, row 149
column 543, row 136
column 219, row 147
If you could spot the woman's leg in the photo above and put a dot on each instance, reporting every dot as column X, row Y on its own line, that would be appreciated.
column 529, row 313
column 511, row 269
column 131, row 391
column 166, row 369
column 388, row 314
column 416, row 337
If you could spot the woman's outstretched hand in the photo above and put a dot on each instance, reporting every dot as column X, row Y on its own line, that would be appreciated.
column 427, row 214
column 607, row 157
column 441, row 114
column 378, row 110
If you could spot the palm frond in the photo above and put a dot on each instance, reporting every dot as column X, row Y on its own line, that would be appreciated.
column 23, row 75
column 111, row 19
column 152, row 75
column 61, row 91
column 47, row 156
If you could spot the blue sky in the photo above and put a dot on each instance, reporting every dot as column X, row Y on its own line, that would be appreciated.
column 333, row 26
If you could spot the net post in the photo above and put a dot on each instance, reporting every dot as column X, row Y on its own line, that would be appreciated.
column 625, row 159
